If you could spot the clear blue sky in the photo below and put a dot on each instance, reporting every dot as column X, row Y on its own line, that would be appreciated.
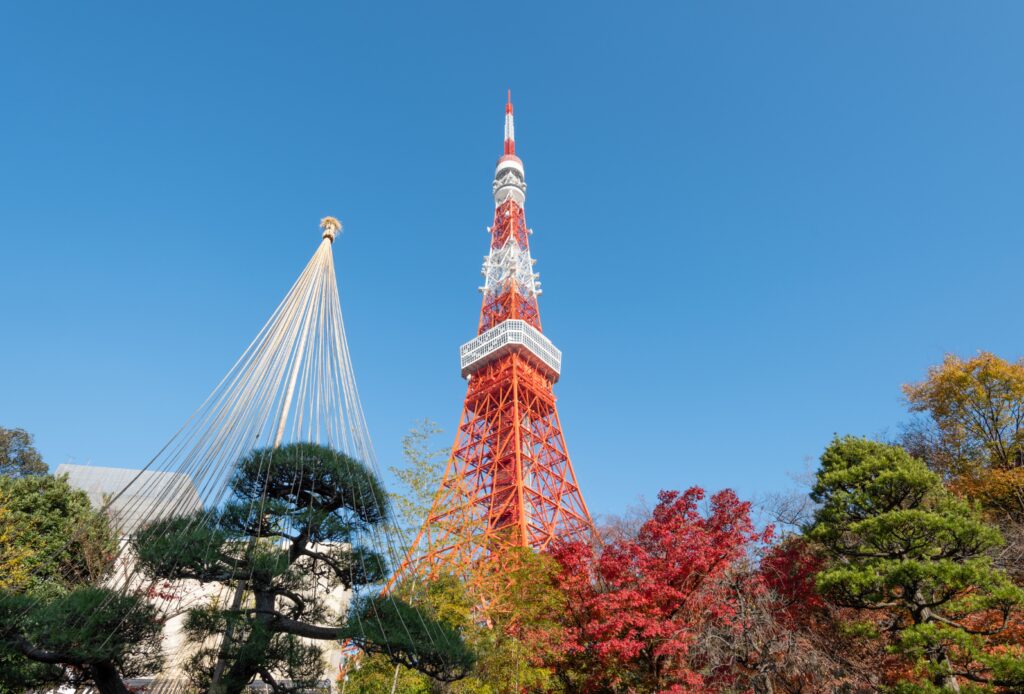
column 753, row 221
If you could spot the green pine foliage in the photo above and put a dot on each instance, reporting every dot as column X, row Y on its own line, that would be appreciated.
column 391, row 627
column 85, row 627
column 898, row 542
column 446, row 601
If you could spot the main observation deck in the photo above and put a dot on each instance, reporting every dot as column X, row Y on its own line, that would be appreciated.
column 511, row 336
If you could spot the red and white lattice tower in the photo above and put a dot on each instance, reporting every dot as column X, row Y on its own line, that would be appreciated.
column 509, row 481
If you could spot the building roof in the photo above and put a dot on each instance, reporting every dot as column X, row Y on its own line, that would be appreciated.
column 135, row 496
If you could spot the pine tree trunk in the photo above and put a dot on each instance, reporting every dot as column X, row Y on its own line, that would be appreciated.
column 107, row 679
column 244, row 669
column 949, row 681
column 239, row 674
column 939, row 658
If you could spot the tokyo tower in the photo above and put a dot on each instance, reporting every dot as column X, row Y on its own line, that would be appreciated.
column 509, row 481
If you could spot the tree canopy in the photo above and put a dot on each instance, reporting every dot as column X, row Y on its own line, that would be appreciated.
column 18, row 455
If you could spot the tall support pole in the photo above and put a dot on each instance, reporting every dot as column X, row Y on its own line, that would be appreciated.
column 330, row 227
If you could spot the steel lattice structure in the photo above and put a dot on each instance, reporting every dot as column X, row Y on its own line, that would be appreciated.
column 509, row 481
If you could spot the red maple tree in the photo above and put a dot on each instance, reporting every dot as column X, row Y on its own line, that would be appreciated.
column 637, row 609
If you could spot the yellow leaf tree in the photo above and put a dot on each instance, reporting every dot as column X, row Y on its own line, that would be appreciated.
column 973, row 434
column 14, row 554
column 977, row 407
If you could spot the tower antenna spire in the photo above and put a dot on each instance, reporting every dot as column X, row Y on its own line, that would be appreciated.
column 510, row 130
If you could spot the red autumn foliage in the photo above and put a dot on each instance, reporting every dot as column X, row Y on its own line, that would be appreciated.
column 788, row 568
column 683, row 605
column 637, row 610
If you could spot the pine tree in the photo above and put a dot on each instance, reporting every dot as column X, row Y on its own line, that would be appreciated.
column 897, row 541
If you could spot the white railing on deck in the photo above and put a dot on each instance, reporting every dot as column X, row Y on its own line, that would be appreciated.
column 505, row 337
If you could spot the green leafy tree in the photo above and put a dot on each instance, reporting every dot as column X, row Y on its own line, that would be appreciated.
column 897, row 541
column 69, row 542
column 18, row 457
column 290, row 535
column 419, row 477
column 56, row 628
column 521, row 647
column 15, row 553
column 513, row 639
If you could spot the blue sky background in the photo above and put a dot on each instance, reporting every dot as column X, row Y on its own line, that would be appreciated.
column 753, row 221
